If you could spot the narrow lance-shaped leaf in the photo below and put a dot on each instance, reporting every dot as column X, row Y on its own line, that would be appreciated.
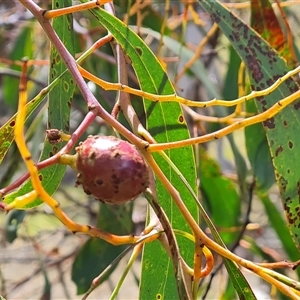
column 265, row 22
column 217, row 189
column 23, row 47
column 265, row 66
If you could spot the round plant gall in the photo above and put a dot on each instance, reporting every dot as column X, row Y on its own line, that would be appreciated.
column 110, row 169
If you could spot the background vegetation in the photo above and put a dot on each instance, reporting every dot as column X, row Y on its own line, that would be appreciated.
column 230, row 168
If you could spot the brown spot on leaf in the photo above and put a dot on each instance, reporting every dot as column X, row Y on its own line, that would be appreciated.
column 291, row 145
column 269, row 123
column 216, row 18
column 181, row 119
column 298, row 188
column 270, row 82
column 139, row 51
column 283, row 183
column 67, row 128
column 297, row 105
column 291, row 85
column 278, row 150
column 286, row 208
column 262, row 86
column 70, row 103
column 254, row 66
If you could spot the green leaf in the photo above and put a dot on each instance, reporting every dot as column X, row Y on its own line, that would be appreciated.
column 265, row 67
column 230, row 88
column 165, row 123
column 264, row 21
column 259, row 153
column 220, row 196
column 7, row 130
column 230, row 92
column 229, row 292
column 47, row 284
column 24, row 46
column 15, row 218
column 237, row 278
column 60, row 98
